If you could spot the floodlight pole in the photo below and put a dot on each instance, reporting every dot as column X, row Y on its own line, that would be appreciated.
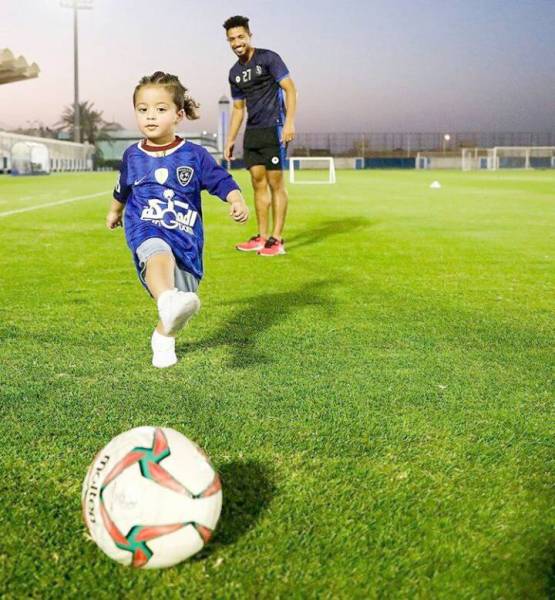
column 446, row 138
column 76, row 110
column 76, row 5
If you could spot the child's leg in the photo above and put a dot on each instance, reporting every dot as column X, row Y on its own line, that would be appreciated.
column 175, row 307
column 159, row 273
column 174, row 291
column 159, row 278
column 159, row 266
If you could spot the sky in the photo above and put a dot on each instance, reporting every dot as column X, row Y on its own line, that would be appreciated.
column 359, row 65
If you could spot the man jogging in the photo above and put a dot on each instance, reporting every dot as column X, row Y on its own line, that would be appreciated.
column 260, row 82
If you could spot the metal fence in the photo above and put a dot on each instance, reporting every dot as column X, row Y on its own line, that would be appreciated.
column 409, row 143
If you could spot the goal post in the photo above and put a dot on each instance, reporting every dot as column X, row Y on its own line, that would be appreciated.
column 476, row 158
column 312, row 169
column 523, row 157
column 437, row 160
column 508, row 157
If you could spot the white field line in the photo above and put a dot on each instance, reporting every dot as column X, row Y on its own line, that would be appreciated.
column 49, row 204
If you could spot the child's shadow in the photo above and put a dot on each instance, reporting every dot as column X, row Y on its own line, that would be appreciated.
column 242, row 331
column 248, row 489
column 327, row 229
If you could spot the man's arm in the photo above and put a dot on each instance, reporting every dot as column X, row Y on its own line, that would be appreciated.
column 237, row 115
column 288, row 86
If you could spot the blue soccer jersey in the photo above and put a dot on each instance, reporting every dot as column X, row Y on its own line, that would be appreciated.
column 161, row 192
column 257, row 82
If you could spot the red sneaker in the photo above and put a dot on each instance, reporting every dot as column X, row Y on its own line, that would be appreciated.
column 255, row 243
column 272, row 247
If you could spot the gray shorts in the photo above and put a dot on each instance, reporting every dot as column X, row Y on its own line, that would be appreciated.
column 184, row 281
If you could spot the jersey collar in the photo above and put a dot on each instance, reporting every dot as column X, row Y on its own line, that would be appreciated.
column 161, row 150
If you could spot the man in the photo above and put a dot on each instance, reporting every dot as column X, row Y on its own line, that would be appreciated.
column 259, row 81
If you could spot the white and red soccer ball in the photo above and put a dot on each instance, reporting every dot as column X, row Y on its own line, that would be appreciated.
column 151, row 498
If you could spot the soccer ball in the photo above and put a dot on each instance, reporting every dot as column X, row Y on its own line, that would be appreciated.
column 151, row 498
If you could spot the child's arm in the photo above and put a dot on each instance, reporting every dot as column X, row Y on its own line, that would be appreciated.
column 121, row 193
column 113, row 218
column 238, row 210
column 219, row 182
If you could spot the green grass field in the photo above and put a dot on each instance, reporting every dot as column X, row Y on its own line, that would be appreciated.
column 378, row 401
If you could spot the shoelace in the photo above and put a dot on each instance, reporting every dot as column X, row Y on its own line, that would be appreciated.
column 271, row 242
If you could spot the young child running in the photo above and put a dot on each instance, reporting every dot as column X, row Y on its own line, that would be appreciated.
column 159, row 186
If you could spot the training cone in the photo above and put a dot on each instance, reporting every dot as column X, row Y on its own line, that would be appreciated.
column 435, row 185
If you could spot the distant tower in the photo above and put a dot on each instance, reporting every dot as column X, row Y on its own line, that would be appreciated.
column 223, row 122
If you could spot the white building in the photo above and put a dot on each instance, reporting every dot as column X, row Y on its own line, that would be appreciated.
column 62, row 156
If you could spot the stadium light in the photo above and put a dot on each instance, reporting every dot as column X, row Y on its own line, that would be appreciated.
column 446, row 139
column 76, row 5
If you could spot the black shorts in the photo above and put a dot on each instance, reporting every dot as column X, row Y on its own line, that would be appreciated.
column 261, row 146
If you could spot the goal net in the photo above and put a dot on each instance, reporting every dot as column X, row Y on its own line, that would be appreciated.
column 437, row 160
column 518, row 157
column 311, row 169
column 476, row 158
column 509, row 157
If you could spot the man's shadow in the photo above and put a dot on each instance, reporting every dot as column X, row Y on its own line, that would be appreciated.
column 243, row 331
column 248, row 488
column 327, row 229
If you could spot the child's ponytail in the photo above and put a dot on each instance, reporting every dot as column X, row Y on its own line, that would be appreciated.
column 190, row 106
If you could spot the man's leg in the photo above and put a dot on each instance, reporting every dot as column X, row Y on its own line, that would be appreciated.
column 262, row 198
column 279, row 202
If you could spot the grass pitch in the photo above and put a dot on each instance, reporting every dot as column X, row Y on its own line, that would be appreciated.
column 378, row 401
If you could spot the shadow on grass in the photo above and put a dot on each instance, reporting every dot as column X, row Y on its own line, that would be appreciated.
column 551, row 579
column 248, row 489
column 327, row 229
column 243, row 330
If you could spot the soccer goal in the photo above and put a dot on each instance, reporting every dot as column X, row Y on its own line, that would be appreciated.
column 523, row 157
column 437, row 160
column 476, row 158
column 312, row 169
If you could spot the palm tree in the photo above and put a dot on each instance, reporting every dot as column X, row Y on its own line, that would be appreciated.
column 93, row 126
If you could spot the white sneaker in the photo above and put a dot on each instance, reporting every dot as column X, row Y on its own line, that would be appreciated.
column 163, row 350
column 176, row 308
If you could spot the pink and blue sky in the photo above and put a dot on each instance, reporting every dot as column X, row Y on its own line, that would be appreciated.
column 359, row 65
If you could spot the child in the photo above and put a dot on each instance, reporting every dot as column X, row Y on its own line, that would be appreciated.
column 159, row 186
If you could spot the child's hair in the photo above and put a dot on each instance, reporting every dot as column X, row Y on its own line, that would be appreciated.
column 179, row 92
column 237, row 21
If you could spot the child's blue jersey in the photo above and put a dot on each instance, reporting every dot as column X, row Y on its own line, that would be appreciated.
column 161, row 190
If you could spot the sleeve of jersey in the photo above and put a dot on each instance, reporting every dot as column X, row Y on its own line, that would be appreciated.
column 214, row 178
column 236, row 93
column 122, row 189
column 277, row 67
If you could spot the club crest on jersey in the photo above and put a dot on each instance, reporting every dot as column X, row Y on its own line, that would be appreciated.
column 161, row 175
column 184, row 175
column 258, row 70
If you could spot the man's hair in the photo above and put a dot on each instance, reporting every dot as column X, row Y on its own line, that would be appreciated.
column 237, row 21
column 179, row 92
